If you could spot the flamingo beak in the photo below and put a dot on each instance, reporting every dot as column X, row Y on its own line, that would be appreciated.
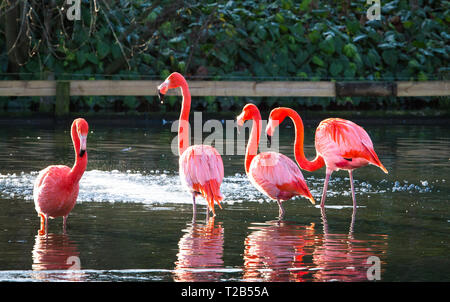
column 162, row 90
column 270, row 128
column 83, row 139
column 161, row 97
column 240, row 119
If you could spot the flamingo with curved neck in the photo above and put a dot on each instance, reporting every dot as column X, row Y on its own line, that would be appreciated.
column 201, row 166
column 272, row 173
column 56, row 188
column 340, row 144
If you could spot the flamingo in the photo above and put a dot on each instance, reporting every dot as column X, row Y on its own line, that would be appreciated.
column 56, row 188
column 340, row 144
column 272, row 173
column 201, row 166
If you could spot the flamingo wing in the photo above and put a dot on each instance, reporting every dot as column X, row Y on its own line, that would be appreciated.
column 52, row 195
column 341, row 141
column 201, row 172
column 278, row 177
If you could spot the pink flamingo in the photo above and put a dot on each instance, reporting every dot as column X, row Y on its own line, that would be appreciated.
column 201, row 166
column 56, row 187
column 272, row 173
column 340, row 144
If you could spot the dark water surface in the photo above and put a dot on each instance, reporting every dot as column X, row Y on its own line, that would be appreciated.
column 133, row 222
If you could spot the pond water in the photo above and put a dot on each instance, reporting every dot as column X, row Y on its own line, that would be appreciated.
column 133, row 221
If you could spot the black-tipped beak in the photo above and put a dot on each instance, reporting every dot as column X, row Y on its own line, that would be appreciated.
column 269, row 140
column 161, row 97
column 82, row 152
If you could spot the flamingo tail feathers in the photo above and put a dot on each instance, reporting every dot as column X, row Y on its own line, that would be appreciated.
column 373, row 158
column 298, row 189
column 211, row 192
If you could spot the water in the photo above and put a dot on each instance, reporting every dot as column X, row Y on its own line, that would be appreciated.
column 133, row 222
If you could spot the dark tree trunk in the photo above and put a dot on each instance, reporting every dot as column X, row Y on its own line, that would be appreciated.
column 15, row 43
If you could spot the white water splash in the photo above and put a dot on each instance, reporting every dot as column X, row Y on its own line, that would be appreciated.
column 164, row 187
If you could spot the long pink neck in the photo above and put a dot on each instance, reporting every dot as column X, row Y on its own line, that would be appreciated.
column 80, row 162
column 253, row 141
column 183, row 126
column 302, row 161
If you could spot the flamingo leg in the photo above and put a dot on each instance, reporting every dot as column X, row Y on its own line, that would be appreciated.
column 280, row 210
column 65, row 223
column 194, row 208
column 350, row 173
column 325, row 187
column 44, row 224
column 207, row 212
column 350, row 232
column 324, row 220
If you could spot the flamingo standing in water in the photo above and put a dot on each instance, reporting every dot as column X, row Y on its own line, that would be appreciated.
column 201, row 166
column 272, row 173
column 56, row 187
column 340, row 144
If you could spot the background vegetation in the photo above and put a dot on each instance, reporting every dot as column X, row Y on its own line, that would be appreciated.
column 225, row 40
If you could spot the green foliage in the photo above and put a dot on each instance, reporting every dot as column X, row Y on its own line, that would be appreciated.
column 280, row 40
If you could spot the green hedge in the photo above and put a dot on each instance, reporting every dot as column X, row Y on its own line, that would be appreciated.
column 225, row 40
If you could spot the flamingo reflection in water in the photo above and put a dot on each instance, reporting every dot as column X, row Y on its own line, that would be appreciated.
column 56, row 252
column 285, row 251
column 275, row 251
column 200, row 252
column 343, row 257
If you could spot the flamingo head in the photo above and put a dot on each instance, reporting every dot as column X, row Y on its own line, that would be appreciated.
column 276, row 117
column 81, row 128
column 248, row 112
column 174, row 80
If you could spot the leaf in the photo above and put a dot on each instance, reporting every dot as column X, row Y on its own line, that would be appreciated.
column 102, row 49
column 408, row 24
column 261, row 32
column 350, row 50
column 373, row 57
column 221, row 56
column 304, row 5
column 92, row 58
column 353, row 26
column 300, row 57
column 327, row 45
column 318, row 61
column 421, row 76
column 279, row 18
column 177, row 39
column 181, row 66
column 302, row 75
column 336, row 68
column 314, row 36
column 246, row 57
column 350, row 71
column 359, row 37
column 115, row 50
column 151, row 17
column 414, row 64
column 81, row 58
column 390, row 57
